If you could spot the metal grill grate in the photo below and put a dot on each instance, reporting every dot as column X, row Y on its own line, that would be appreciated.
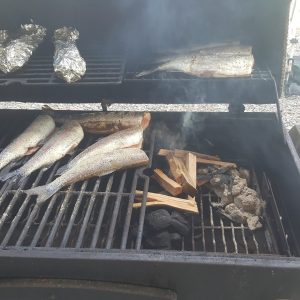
column 98, row 213
column 172, row 86
column 258, row 73
column 100, row 69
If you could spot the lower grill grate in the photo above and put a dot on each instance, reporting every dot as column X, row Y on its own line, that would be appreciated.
column 98, row 214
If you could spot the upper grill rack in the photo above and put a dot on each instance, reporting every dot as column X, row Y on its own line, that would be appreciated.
column 100, row 69
column 98, row 214
column 113, row 77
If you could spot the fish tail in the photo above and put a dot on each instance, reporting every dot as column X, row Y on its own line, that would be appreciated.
column 43, row 192
column 14, row 177
column 7, row 175
column 147, row 72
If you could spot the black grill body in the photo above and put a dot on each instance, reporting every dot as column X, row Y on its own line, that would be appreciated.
column 88, row 241
column 85, row 231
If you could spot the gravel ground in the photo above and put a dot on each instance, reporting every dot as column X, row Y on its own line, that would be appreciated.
column 290, row 108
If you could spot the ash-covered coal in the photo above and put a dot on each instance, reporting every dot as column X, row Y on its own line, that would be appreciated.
column 163, row 229
column 237, row 201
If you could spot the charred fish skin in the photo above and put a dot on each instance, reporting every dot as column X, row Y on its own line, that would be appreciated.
column 109, row 122
column 227, row 61
column 61, row 143
column 33, row 135
column 116, row 160
column 132, row 137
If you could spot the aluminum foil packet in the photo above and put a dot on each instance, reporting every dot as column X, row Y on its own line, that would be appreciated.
column 68, row 63
column 3, row 38
column 16, row 52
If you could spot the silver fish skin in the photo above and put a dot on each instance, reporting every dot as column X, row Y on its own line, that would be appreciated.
column 116, row 160
column 132, row 137
column 229, row 61
column 33, row 135
column 62, row 142
column 107, row 122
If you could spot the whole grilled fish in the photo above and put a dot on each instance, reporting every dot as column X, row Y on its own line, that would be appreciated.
column 116, row 160
column 128, row 138
column 108, row 122
column 227, row 61
column 27, row 142
column 62, row 142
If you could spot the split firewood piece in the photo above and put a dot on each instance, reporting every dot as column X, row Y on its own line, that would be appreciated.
column 181, row 175
column 167, row 183
column 191, row 165
column 154, row 199
column 183, row 153
column 216, row 163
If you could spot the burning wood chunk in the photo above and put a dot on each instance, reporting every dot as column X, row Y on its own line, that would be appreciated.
column 167, row 183
column 181, row 174
column 238, row 202
column 183, row 153
column 191, row 165
column 154, row 199
column 216, row 163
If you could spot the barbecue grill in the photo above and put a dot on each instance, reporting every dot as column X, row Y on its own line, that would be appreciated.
column 88, row 240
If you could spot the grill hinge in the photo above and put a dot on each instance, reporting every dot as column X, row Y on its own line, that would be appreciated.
column 236, row 108
column 105, row 104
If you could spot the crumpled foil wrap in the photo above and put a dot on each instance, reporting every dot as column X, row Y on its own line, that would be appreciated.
column 3, row 37
column 68, row 63
column 16, row 52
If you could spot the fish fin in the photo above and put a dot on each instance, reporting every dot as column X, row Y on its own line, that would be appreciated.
column 8, row 175
column 43, row 193
column 15, row 178
column 71, row 151
column 147, row 72
column 32, row 150
column 61, row 170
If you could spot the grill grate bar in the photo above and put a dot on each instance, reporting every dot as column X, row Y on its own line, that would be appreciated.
column 223, row 236
column 102, row 211
column 129, row 211
column 115, row 213
column 62, row 209
column 212, row 225
column 88, row 214
column 73, row 216
column 256, row 244
column 11, row 204
column 244, row 239
column 34, row 212
column 202, row 222
column 193, row 234
column 233, row 239
column 138, row 242
column 18, row 216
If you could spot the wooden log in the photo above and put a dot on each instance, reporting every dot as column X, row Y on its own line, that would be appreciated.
column 167, row 183
column 181, row 175
column 183, row 153
column 154, row 199
column 216, row 163
column 191, row 165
